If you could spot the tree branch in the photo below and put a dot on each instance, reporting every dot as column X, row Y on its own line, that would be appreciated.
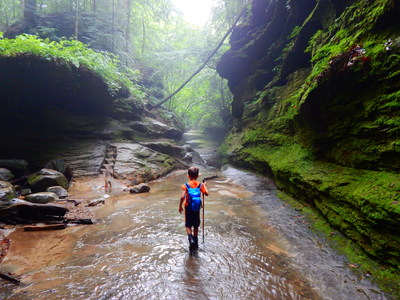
column 203, row 65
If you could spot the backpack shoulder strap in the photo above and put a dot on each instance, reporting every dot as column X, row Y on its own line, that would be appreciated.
column 187, row 185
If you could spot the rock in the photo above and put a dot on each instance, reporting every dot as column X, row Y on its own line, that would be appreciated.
column 5, row 174
column 58, row 190
column 96, row 202
column 45, row 178
column 20, row 211
column 188, row 157
column 7, row 192
column 165, row 147
column 60, row 166
column 14, row 164
column 136, row 163
column 25, row 192
column 140, row 188
column 156, row 129
column 42, row 198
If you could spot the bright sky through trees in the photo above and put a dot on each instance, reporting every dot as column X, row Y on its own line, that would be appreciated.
column 195, row 11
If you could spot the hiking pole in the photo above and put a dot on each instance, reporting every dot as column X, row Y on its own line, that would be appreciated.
column 203, row 213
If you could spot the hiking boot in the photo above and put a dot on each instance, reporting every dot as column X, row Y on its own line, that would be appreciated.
column 196, row 242
column 191, row 241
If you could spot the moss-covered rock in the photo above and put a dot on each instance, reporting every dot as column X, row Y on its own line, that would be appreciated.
column 45, row 178
column 326, row 124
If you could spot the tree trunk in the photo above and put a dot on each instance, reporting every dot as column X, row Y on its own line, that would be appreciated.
column 204, row 64
column 144, row 33
column 30, row 13
column 113, row 27
column 94, row 6
column 6, row 15
column 127, row 28
column 13, row 10
column 76, row 19
column 41, row 7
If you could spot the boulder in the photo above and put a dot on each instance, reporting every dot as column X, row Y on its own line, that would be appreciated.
column 14, row 164
column 45, row 178
column 20, row 211
column 156, row 129
column 140, row 188
column 5, row 174
column 25, row 192
column 58, row 190
column 42, row 198
column 60, row 166
column 7, row 192
column 165, row 147
column 136, row 163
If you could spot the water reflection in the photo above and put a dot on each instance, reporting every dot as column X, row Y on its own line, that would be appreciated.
column 139, row 250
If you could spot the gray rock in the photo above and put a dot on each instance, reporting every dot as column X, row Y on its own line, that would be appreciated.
column 156, row 129
column 20, row 211
column 42, row 198
column 140, row 188
column 7, row 192
column 5, row 174
column 136, row 163
column 96, row 202
column 188, row 157
column 166, row 148
column 25, row 192
column 58, row 190
column 45, row 178
column 60, row 166
column 14, row 164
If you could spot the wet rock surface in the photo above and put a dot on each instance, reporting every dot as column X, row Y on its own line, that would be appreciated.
column 5, row 174
column 45, row 178
column 42, row 198
column 140, row 188
column 7, row 191
column 58, row 190
column 136, row 163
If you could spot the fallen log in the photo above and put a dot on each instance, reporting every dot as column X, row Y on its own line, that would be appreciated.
column 45, row 227
column 96, row 202
column 80, row 221
column 10, row 279
column 211, row 177
column 75, row 202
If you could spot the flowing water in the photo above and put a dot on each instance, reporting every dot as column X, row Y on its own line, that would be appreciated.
column 255, row 247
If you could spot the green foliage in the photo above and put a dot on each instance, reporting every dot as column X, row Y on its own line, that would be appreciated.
column 74, row 53
column 353, row 27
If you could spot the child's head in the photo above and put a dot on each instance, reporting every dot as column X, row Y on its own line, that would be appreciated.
column 193, row 172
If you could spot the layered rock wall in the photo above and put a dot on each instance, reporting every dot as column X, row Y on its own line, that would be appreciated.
column 316, row 106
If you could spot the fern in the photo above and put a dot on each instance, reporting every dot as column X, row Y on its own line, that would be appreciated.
column 75, row 53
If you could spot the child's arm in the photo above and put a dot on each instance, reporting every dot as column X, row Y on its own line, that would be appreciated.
column 205, row 191
column 181, row 202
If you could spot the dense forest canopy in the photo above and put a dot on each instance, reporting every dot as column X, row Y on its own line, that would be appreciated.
column 151, row 36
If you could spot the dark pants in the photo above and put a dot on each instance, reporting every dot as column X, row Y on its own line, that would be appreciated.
column 192, row 218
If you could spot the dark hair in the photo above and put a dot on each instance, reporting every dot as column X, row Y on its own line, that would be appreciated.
column 193, row 172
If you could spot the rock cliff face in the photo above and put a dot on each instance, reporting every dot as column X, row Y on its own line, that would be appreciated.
column 316, row 106
column 54, row 110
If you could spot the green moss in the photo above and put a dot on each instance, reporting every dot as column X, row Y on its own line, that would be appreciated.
column 331, row 135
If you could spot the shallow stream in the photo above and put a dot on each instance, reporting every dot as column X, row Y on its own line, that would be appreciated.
column 255, row 247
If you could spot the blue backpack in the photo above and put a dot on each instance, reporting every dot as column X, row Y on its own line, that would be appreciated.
column 194, row 194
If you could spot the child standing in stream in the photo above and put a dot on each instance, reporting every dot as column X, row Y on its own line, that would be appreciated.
column 191, row 198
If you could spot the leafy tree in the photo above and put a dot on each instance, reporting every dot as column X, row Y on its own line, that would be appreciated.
column 153, row 36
